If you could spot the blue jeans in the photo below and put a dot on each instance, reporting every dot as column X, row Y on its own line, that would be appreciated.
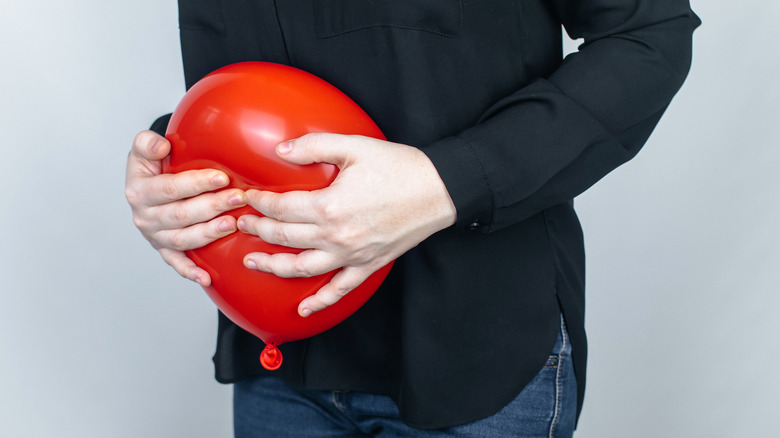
column 267, row 407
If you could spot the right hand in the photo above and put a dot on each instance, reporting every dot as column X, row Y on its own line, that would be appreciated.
column 174, row 212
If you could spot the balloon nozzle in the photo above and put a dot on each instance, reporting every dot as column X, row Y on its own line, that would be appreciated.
column 271, row 357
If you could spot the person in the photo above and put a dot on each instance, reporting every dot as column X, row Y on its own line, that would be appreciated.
column 479, row 328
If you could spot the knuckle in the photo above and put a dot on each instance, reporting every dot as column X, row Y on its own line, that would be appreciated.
column 328, row 210
column 216, row 203
column 341, row 291
column 280, row 236
column 275, row 207
column 310, row 140
column 344, row 238
column 334, row 295
column 132, row 196
column 180, row 216
column 362, row 255
column 177, row 242
column 300, row 269
column 169, row 189
column 139, row 222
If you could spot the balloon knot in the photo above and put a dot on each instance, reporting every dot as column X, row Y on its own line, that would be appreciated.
column 271, row 357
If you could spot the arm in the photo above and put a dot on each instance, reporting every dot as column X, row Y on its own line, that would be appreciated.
column 538, row 147
column 550, row 141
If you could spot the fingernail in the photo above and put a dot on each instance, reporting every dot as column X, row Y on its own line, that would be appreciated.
column 155, row 146
column 284, row 148
column 219, row 180
column 236, row 200
column 225, row 226
column 306, row 312
column 251, row 264
column 241, row 225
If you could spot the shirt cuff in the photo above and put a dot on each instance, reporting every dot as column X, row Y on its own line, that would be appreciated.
column 466, row 181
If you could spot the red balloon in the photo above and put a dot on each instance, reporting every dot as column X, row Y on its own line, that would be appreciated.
column 231, row 120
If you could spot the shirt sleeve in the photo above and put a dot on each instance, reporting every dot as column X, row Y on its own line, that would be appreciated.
column 551, row 140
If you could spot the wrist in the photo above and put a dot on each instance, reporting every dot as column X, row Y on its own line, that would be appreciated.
column 442, row 209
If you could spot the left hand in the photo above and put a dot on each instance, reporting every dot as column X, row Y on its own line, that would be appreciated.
column 386, row 199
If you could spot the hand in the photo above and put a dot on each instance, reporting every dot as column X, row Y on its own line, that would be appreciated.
column 386, row 199
column 173, row 211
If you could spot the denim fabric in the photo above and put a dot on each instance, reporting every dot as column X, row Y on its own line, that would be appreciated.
column 267, row 407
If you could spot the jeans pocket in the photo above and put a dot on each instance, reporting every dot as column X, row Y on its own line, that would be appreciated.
column 337, row 17
column 552, row 362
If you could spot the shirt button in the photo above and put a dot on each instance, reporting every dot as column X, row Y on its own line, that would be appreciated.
column 474, row 225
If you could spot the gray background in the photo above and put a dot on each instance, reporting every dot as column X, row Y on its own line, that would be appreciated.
column 99, row 338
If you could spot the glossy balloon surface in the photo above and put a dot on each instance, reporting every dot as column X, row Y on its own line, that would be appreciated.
column 231, row 120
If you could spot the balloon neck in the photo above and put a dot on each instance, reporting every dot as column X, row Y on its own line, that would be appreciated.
column 271, row 357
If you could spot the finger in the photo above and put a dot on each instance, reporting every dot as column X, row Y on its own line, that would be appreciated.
column 195, row 236
column 201, row 208
column 308, row 263
column 296, row 206
column 165, row 188
column 318, row 148
column 280, row 233
column 342, row 283
column 185, row 267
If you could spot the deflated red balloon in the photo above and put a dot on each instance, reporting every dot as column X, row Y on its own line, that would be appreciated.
column 232, row 120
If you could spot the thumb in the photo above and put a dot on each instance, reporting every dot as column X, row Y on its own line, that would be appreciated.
column 335, row 149
column 146, row 154
column 151, row 146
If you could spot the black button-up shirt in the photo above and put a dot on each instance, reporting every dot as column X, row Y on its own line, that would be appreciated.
column 469, row 316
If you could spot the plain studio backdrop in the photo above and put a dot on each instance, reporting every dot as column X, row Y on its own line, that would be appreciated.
column 99, row 338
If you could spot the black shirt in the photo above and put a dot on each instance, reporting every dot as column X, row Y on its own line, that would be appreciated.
column 468, row 317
